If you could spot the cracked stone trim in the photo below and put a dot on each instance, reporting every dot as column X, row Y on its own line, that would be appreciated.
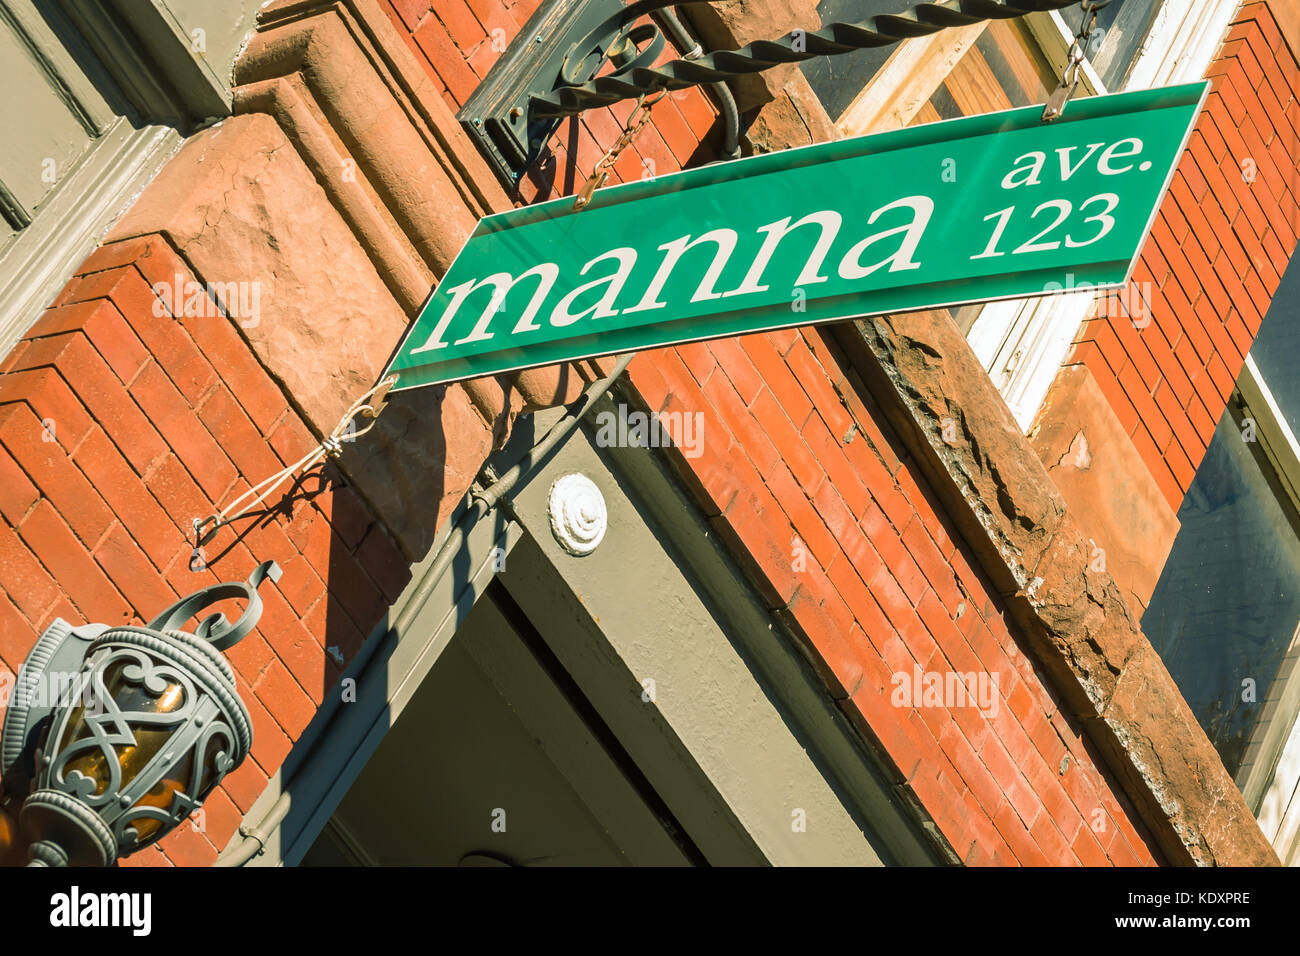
column 920, row 370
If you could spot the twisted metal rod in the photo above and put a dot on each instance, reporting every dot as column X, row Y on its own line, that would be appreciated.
column 833, row 38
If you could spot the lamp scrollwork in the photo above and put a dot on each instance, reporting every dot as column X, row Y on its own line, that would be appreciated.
column 115, row 735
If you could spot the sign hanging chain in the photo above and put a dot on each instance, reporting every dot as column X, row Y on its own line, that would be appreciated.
column 600, row 172
column 370, row 405
column 1074, row 58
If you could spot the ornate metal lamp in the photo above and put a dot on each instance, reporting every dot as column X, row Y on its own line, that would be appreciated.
column 116, row 734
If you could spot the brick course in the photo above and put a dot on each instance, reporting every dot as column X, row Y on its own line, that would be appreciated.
column 1212, row 262
column 117, row 428
column 459, row 40
column 919, row 603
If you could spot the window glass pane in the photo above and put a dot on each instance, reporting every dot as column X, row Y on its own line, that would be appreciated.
column 1228, row 600
column 1277, row 346
column 837, row 80
column 1121, row 25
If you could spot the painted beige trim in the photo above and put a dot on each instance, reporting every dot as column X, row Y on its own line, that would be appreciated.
column 709, row 714
column 71, row 222
column 731, row 750
column 907, row 81
column 394, row 659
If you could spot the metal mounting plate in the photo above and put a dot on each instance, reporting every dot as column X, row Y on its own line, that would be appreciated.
column 497, row 116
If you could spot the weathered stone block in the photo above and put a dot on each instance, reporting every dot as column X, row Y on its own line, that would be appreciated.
column 239, row 205
column 794, row 118
column 924, row 376
column 1109, row 489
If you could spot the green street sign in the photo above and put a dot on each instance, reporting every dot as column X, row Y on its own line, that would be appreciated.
column 967, row 210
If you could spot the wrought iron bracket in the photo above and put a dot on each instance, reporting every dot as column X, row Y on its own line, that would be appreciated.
column 215, row 629
column 499, row 115
column 555, row 66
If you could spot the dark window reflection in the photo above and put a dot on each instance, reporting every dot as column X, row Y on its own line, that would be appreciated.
column 1228, row 599
column 837, row 80
column 1277, row 346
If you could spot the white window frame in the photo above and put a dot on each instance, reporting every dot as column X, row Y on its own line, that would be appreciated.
column 1022, row 343
column 1269, row 775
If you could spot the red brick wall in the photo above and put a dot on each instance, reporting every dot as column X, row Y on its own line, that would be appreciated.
column 1215, row 257
column 883, row 586
column 848, row 546
column 156, row 421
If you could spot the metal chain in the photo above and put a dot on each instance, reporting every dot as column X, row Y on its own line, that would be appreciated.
column 1074, row 58
column 639, row 117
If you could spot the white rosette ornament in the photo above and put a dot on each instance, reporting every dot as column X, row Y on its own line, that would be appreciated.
column 578, row 514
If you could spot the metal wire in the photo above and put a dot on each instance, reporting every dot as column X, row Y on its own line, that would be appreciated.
column 834, row 38
column 370, row 404
column 254, row 835
column 721, row 92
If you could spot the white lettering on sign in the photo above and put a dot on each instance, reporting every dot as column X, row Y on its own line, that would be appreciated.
column 724, row 239
column 721, row 243
column 830, row 222
column 1027, row 170
column 604, row 307
column 861, row 226
column 1063, row 207
column 922, row 207
column 502, row 283
column 1103, row 163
